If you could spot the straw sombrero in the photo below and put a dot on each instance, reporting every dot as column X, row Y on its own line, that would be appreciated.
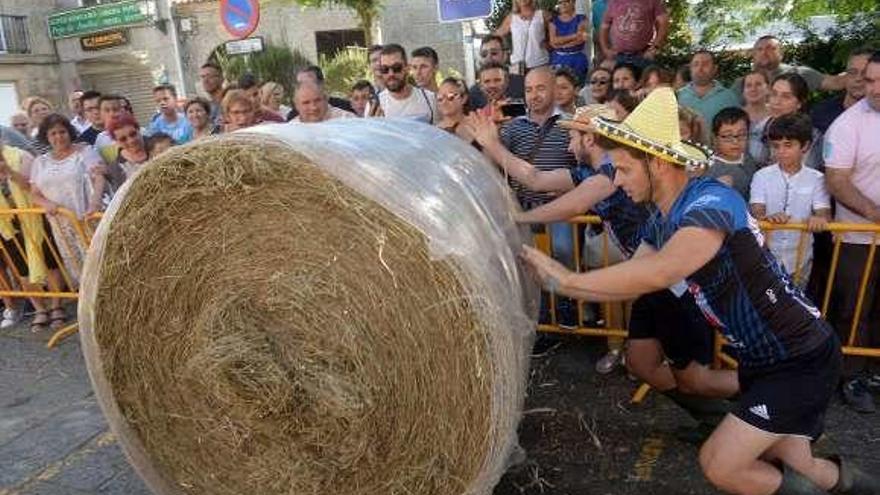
column 653, row 128
column 582, row 120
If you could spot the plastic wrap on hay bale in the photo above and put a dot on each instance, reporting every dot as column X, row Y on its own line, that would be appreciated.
column 312, row 309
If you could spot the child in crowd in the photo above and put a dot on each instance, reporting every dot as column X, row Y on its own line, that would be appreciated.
column 788, row 192
column 730, row 139
column 691, row 125
column 158, row 143
column 361, row 93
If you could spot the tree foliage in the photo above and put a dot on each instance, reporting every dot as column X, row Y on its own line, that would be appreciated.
column 344, row 69
column 737, row 19
column 274, row 63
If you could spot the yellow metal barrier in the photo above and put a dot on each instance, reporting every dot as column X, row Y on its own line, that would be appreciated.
column 543, row 242
column 12, row 253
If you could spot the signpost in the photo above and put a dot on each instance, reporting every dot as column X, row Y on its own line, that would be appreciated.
column 240, row 17
column 463, row 10
column 99, row 18
column 101, row 41
column 245, row 46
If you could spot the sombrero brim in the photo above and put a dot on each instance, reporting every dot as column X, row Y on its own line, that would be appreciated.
column 577, row 125
column 681, row 153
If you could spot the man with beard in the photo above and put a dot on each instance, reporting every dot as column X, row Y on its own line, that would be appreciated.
column 400, row 98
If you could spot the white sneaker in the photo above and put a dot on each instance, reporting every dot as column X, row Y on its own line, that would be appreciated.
column 608, row 362
column 10, row 318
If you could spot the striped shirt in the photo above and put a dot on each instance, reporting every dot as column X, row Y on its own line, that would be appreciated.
column 523, row 138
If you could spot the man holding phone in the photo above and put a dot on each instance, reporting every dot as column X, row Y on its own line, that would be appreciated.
column 493, row 54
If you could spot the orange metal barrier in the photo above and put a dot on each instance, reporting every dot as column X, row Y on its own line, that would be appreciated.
column 850, row 346
column 31, row 226
column 543, row 242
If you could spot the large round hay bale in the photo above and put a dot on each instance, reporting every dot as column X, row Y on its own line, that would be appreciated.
column 311, row 309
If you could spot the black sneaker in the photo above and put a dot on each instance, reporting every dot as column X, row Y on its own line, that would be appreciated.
column 857, row 396
column 566, row 313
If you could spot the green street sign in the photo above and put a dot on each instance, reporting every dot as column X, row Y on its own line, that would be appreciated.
column 101, row 18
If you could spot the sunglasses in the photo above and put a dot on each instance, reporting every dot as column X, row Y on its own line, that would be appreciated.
column 487, row 53
column 448, row 97
column 396, row 68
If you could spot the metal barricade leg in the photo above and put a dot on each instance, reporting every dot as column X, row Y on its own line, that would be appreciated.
column 62, row 334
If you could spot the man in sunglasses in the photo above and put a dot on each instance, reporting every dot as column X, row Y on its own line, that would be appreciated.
column 492, row 52
column 400, row 99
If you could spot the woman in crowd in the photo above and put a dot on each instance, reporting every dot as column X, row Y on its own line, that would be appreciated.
column 682, row 77
column 239, row 110
column 198, row 113
column 654, row 77
column 70, row 176
column 26, row 243
column 789, row 93
column 625, row 76
column 756, row 92
column 452, row 104
column 691, row 126
column 568, row 36
column 526, row 26
column 272, row 98
column 132, row 154
column 598, row 87
column 36, row 109
column 622, row 102
column 566, row 90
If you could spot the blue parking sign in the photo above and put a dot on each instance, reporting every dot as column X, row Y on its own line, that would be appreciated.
column 463, row 10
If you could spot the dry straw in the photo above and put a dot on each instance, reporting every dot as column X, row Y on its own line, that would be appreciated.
column 254, row 325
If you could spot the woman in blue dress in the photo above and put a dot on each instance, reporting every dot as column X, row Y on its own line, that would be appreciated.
column 568, row 37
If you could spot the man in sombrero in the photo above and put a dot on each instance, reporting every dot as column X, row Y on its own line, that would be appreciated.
column 789, row 358
column 664, row 325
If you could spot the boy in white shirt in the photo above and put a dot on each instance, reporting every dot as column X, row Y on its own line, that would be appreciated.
column 788, row 192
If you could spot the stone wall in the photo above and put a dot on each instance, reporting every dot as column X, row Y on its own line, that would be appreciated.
column 289, row 25
column 34, row 73
column 413, row 24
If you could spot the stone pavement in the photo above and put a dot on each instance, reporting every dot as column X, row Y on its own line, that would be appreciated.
column 53, row 438
column 581, row 435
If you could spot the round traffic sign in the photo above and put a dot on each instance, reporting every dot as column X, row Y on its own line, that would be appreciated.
column 240, row 17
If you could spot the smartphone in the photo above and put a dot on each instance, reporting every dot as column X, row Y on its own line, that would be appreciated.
column 513, row 109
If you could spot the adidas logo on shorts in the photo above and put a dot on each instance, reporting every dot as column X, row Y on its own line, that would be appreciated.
column 760, row 411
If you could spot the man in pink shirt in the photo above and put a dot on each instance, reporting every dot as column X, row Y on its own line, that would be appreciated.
column 633, row 31
column 852, row 162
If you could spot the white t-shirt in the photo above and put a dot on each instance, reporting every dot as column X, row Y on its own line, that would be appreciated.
column 332, row 113
column 853, row 142
column 798, row 195
column 421, row 105
column 66, row 182
column 528, row 37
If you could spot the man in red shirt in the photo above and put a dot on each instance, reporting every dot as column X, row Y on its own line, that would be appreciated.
column 633, row 31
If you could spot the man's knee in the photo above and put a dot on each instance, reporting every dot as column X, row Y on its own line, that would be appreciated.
column 715, row 469
column 641, row 360
column 692, row 379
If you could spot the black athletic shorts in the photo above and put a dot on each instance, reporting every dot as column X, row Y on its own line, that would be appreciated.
column 790, row 398
column 677, row 323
